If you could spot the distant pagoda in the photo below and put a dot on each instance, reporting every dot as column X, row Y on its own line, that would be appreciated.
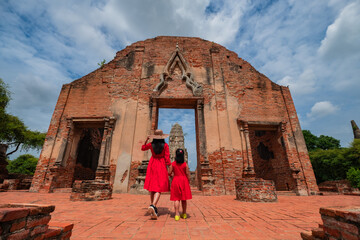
column 356, row 130
column 176, row 140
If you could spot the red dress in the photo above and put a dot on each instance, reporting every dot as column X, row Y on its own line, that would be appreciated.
column 157, row 179
column 180, row 187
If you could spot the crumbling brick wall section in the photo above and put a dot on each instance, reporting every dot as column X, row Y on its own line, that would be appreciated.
column 30, row 221
column 226, row 92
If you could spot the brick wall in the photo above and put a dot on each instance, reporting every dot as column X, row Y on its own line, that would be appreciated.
column 123, row 89
column 270, row 161
column 30, row 221
column 338, row 223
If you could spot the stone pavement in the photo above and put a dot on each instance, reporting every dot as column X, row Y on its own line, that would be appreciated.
column 215, row 217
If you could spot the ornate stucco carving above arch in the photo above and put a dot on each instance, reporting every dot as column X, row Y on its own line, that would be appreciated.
column 177, row 59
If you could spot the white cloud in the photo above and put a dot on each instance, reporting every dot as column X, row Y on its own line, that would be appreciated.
column 343, row 36
column 322, row 109
column 304, row 84
column 309, row 45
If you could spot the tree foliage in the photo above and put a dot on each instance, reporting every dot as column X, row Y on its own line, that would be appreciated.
column 12, row 130
column 24, row 164
column 353, row 175
column 323, row 142
column 335, row 164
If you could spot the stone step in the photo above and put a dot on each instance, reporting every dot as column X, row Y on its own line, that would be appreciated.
column 286, row 193
column 62, row 190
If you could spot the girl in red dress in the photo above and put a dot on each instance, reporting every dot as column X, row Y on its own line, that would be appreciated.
column 180, row 187
column 157, row 179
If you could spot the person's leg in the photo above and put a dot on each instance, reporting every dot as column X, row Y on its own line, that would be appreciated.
column 152, row 197
column 184, row 205
column 156, row 198
column 152, row 209
column 177, row 206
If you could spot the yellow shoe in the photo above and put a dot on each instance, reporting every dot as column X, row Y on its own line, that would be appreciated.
column 177, row 218
column 184, row 216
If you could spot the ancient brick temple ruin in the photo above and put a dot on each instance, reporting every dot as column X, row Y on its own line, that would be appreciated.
column 246, row 125
column 177, row 140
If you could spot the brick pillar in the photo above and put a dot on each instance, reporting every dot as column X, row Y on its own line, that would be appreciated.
column 297, row 147
column 154, row 114
column 248, row 169
column 295, row 168
column 60, row 158
column 226, row 178
column 58, row 166
column 205, row 174
column 103, row 169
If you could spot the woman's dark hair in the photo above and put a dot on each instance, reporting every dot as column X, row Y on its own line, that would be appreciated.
column 179, row 157
column 158, row 145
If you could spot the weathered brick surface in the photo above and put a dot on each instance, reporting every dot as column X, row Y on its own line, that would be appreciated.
column 270, row 160
column 91, row 190
column 255, row 190
column 233, row 93
column 17, row 223
column 338, row 223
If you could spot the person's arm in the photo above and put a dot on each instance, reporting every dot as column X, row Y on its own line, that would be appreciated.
column 146, row 146
column 170, row 170
column 187, row 172
column 167, row 155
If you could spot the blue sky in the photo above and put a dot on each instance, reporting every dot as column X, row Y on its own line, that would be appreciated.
column 186, row 118
column 311, row 46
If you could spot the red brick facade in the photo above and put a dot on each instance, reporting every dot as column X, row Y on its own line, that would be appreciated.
column 232, row 101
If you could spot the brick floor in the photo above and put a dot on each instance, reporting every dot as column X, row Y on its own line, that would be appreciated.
column 217, row 217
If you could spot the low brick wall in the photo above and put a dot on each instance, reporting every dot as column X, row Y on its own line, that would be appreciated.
column 91, row 190
column 11, row 184
column 255, row 190
column 338, row 223
column 29, row 221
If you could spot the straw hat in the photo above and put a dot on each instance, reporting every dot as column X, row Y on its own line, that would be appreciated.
column 158, row 134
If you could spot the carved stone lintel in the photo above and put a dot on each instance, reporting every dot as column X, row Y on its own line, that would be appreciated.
column 195, row 87
column 177, row 59
column 162, row 84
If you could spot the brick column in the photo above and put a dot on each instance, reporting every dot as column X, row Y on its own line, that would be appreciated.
column 295, row 167
column 60, row 158
column 205, row 174
column 248, row 169
column 297, row 147
column 103, row 169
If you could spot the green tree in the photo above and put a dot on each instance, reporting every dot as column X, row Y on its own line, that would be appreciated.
column 330, row 164
column 24, row 164
column 310, row 140
column 335, row 164
column 323, row 142
column 326, row 142
column 353, row 175
column 12, row 130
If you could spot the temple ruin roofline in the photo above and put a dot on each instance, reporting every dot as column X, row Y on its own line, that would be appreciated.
column 246, row 125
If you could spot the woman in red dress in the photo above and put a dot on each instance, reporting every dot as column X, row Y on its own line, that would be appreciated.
column 180, row 187
column 157, row 179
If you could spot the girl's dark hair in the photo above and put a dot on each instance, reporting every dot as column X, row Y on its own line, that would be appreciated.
column 158, row 145
column 179, row 157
